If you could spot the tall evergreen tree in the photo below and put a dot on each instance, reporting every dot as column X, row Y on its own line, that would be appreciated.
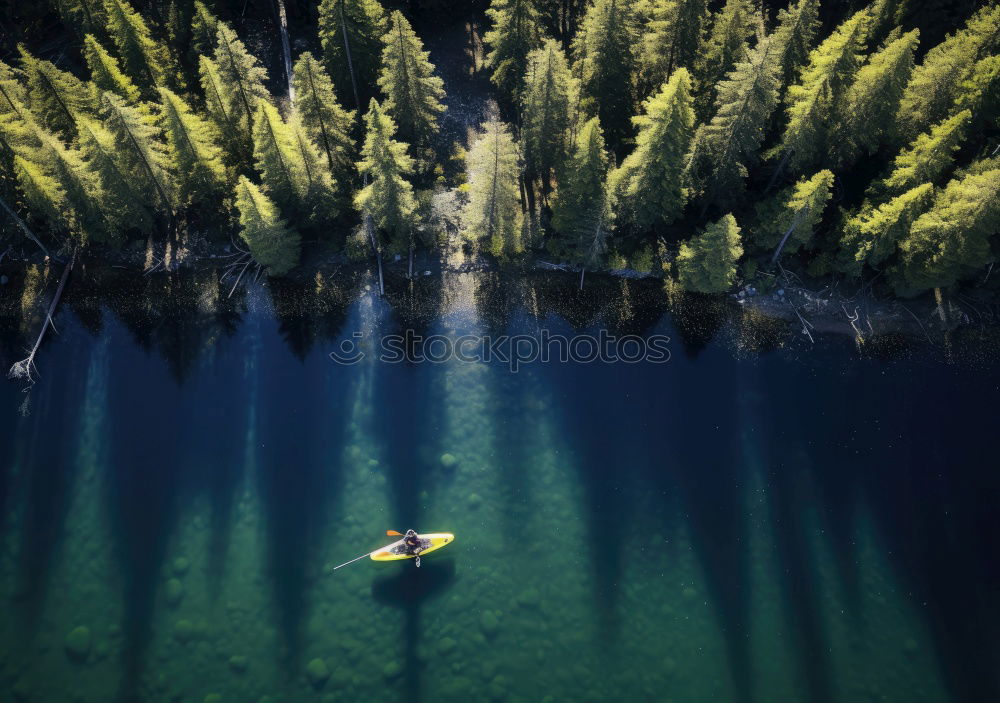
column 936, row 81
column 649, row 184
column 55, row 97
column 388, row 196
column 105, row 74
column 140, row 155
column 797, row 25
column 125, row 201
column 233, row 84
column 726, row 147
column 951, row 241
column 816, row 100
column 143, row 58
column 351, row 32
column 867, row 118
column 583, row 212
column 413, row 93
column 789, row 219
column 871, row 236
column 328, row 124
column 550, row 90
column 926, row 159
column 604, row 56
column 707, row 262
column 272, row 243
column 732, row 28
column 980, row 94
column 515, row 34
column 193, row 151
column 291, row 169
column 82, row 16
column 45, row 197
column 493, row 213
column 671, row 39
column 204, row 31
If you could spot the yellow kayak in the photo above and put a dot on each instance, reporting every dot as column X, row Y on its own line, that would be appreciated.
column 397, row 550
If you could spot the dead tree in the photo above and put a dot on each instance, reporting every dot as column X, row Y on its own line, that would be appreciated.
column 25, row 369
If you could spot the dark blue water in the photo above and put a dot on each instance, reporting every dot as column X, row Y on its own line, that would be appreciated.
column 757, row 519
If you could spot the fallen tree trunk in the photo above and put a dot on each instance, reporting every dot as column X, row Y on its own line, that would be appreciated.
column 25, row 367
column 286, row 50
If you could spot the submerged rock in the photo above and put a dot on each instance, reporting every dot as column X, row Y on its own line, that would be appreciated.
column 180, row 566
column 392, row 670
column 317, row 672
column 184, row 631
column 489, row 623
column 173, row 592
column 78, row 643
column 448, row 460
column 475, row 500
column 446, row 645
column 238, row 663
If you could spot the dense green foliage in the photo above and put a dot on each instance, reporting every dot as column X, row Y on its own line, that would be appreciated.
column 707, row 262
column 493, row 213
column 857, row 149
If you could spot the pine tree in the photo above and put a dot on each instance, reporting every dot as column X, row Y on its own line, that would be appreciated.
column 125, row 201
column 82, row 16
column 46, row 199
column 144, row 59
column 351, row 32
column 204, row 31
column 582, row 213
column 604, row 61
column 706, row 263
column 234, row 83
column 272, row 243
column 794, row 35
column 548, row 100
column 193, row 152
column 871, row 236
column 105, row 74
column 951, row 241
column 936, row 81
column 514, row 35
column 726, row 147
column 413, row 93
column 493, row 213
column 55, row 97
column 732, row 28
column 815, row 101
column 868, row 116
column 671, row 39
column 649, row 183
column 980, row 94
column 140, row 154
column 328, row 124
column 926, row 159
column 388, row 196
column 789, row 219
column 291, row 168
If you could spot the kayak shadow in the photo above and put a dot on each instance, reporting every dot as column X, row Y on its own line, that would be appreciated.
column 409, row 589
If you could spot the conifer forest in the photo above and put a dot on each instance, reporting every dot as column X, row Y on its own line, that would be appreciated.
column 499, row 351
column 698, row 141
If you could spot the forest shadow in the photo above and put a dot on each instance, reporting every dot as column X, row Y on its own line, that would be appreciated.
column 409, row 590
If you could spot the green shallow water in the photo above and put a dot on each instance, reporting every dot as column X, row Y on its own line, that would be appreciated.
column 755, row 520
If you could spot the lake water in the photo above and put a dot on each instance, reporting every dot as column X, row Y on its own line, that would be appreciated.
column 757, row 519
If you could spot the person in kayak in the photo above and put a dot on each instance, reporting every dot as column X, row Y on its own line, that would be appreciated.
column 414, row 545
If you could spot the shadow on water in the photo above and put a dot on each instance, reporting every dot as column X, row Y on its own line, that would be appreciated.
column 46, row 473
column 301, row 415
column 407, row 399
column 410, row 589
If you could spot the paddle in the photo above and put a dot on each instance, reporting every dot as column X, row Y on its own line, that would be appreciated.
column 389, row 533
